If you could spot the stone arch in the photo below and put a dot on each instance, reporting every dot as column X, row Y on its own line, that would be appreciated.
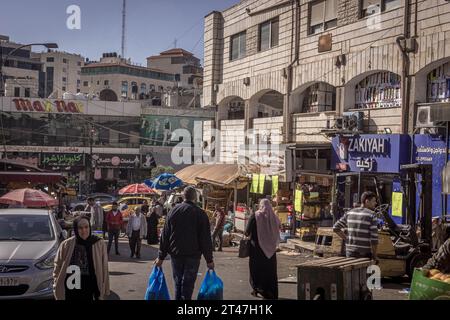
column 421, row 80
column 392, row 79
column 324, row 91
column 108, row 95
column 266, row 103
column 231, row 107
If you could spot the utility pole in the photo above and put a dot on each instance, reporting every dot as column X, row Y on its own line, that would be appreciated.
column 124, row 16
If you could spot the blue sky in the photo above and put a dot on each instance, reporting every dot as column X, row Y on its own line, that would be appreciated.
column 152, row 25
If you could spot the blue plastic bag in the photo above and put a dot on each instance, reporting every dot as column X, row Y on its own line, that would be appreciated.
column 211, row 288
column 157, row 287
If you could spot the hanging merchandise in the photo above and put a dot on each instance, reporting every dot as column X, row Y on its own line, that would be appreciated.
column 298, row 204
column 110, row 175
column 275, row 180
column 397, row 204
column 262, row 181
column 255, row 182
column 98, row 174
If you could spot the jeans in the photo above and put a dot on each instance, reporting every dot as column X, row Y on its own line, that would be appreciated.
column 135, row 243
column 113, row 234
column 217, row 233
column 185, row 271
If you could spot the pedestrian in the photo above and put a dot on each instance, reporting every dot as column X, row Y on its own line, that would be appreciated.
column 95, row 214
column 88, row 253
column 263, row 229
column 358, row 228
column 218, row 229
column 136, row 230
column 152, row 225
column 114, row 220
column 105, row 225
column 186, row 237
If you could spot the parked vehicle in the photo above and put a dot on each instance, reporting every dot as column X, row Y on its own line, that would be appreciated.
column 29, row 240
column 103, row 198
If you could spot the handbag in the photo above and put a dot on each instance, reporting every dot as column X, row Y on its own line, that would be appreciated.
column 244, row 248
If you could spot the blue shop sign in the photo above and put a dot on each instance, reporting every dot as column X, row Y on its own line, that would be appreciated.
column 371, row 152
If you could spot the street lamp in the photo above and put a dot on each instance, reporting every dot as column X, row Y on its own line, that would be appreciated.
column 48, row 45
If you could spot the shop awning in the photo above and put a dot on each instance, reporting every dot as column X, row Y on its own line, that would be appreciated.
column 223, row 175
column 32, row 177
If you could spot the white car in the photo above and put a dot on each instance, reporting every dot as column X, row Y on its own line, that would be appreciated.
column 29, row 240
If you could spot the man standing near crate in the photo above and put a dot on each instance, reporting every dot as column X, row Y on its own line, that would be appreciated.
column 358, row 227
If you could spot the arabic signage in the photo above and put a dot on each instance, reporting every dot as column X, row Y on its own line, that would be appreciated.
column 102, row 160
column 271, row 159
column 23, row 157
column 371, row 153
column 62, row 161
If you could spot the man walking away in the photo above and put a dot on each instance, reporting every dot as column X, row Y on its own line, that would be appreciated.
column 96, row 214
column 218, row 229
column 358, row 227
column 115, row 220
column 136, row 230
column 186, row 237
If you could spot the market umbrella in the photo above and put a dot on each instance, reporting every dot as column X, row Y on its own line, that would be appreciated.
column 137, row 188
column 165, row 181
column 28, row 198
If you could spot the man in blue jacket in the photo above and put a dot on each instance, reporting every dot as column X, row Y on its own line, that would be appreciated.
column 186, row 237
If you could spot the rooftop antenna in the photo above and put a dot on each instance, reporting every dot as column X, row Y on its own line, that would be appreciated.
column 124, row 15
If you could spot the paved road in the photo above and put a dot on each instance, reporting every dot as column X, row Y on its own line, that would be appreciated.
column 129, row 277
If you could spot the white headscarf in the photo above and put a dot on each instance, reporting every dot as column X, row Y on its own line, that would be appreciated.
column 268, row 226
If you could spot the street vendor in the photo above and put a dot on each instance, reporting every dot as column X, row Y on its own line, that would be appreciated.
column 441, row 259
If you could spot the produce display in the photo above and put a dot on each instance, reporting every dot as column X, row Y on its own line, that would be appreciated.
column 435, row 274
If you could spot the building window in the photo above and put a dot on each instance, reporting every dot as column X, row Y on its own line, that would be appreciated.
column 379, row 90
column 238, row 43
column 50, row 59
column 143, row 88
column 78, row 90
column 64, row 89
column 64, row 70
column 370, row 7
column 124, row 89
column 322, row 15
column 86, row 84
column 79, row 63
column 27, row 92
column 78, row 81
column 98, row 83
column 17, row 92
column 151, row 88
column 268, row 34
column 64, row 79
column 106, row 83
column 64, row 60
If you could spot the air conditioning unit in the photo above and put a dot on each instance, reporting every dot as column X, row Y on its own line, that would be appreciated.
column 353, row 121
column 423, row 119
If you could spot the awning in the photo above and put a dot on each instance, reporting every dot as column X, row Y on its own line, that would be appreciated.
column 223, row 175
column 33, row 177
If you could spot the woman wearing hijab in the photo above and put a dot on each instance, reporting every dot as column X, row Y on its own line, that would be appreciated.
column 263, row 228
column 152, row 224
column 88, row 253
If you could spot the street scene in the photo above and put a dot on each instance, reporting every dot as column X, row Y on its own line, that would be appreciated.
column 225, row 150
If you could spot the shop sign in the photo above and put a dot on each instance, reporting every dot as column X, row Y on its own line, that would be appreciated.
column 57, row 106
column 116, row 161
column 365, row 164
column 50, row 160
column 23, row 157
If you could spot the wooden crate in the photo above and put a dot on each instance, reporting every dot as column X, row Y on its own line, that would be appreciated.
column 335, row 278
column 328, row 243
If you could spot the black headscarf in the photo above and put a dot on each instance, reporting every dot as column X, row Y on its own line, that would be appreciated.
column 91, row 239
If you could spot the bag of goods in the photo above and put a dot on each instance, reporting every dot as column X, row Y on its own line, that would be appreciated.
column 432, row 285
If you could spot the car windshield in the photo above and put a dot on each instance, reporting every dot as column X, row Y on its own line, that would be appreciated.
column 22, row 227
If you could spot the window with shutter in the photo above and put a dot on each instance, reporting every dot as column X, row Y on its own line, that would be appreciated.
column 323, row 15
column 237, row 46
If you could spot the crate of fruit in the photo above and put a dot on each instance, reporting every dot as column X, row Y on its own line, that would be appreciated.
column 431, row 285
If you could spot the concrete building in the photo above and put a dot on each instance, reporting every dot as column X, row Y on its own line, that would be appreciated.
column 114, row 78
column 62, row 72
column 312, row 62
column 183, row 64
column 22, row 75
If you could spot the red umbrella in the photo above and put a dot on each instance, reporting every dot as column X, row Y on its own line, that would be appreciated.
column 136, row 189
column 28, row 198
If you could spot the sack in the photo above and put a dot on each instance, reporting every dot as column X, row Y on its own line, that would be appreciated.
column 244, row 248
column 211, row 288
column 157, row 287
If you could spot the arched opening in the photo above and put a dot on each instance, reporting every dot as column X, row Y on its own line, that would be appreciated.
column 438, row 84
column 231, row 108
column 108, row 95
column 124, row 93
column 266, row 104
column 375, row 89
column 314, row 97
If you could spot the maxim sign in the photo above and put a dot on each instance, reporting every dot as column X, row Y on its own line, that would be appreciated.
column 59, row 106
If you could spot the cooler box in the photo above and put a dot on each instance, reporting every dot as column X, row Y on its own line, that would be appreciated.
column 241, row 220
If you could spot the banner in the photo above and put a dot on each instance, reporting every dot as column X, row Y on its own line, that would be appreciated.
column 262, row 182
column 129, row 161
column 51, row 160
column 275, row 185
column 298, row 204
column 397, row 204
column 255, row 182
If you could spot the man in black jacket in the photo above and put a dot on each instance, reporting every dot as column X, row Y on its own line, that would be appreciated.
column 186, row 237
